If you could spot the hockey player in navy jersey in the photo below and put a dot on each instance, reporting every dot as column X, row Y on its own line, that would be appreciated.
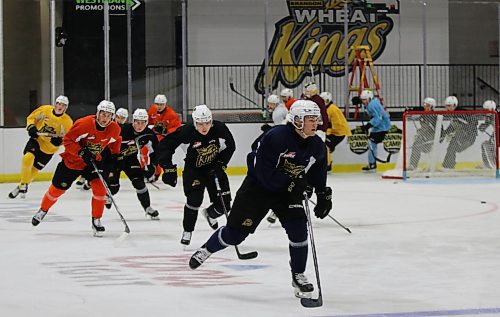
column 135, row 136
column 281, row 167
column 209, row 147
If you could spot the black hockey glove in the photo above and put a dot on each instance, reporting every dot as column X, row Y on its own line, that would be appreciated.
column 169, row 176
column 56, row 141
column 33, row 131
column 298, row 186
column 150, row 172
column 217, row 168
column 159, row 128
column 265, row 127
column 366, row 127
column 86, row 156
column 324, row 203
column 356, row 100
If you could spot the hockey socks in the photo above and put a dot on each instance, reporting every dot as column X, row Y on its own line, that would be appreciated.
column 50, row 197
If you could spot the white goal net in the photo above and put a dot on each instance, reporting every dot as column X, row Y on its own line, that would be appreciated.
column 450, row 143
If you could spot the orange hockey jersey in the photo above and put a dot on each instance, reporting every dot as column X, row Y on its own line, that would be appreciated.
column 167, row 120
column 84, row 133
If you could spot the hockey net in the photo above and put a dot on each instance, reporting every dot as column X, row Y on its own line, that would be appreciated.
column 449, row 144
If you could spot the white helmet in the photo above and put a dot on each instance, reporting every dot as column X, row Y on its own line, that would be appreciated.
column 489, row 105
column 106, row 106
column 451, row 101
column 201, row 114
column 122, row 112
column 161, row 99
column 62, row 99
column 366, row 95
column 310, row 89
column 301, row 109
column 430, row 101
column 273, row 99
column 286, row 92
column 326, row 96
column 140, row 114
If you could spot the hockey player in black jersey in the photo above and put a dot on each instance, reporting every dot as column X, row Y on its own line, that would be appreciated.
column 210, row 146
column 135, row 136
column 281, row 167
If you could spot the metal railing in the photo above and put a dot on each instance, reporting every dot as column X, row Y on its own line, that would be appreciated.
column 401, row 84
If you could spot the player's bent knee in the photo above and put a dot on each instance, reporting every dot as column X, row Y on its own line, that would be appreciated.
column 233, row 236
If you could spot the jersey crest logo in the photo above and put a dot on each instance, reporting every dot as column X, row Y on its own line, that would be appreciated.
column 247, row 223
column 206, row 155
column 292, row 169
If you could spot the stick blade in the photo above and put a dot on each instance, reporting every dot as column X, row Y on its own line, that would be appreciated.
column 311, row 302
column 248, row 256
column 118, row 242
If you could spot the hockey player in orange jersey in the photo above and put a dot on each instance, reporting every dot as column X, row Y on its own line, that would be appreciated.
column 83, row 145
column 163, row 120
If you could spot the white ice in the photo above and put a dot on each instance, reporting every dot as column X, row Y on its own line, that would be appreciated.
column 416, row 249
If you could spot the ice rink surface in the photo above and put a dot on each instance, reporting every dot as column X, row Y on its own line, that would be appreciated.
column 416, row 249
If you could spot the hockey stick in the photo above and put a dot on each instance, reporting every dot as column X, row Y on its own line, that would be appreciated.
column 127, row 229
column 231, row 85
column 311, row 302
column 52, row 135
column 340, row 225
column 310, row 51
column 142, row 159
column 241, row 256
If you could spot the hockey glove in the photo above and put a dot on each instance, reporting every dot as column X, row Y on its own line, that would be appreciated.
column 33, row 131
column 56, row 141
column 159, row 128
column 217, row 168
column 298, row 186
column 169, row 176
column 86, row 156
column 150, row 172
column 324, row 203
column 366, row 127
column 356, row 100
column 265, row 127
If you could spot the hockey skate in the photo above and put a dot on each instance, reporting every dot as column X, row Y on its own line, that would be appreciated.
column 370, row 168
column 97, row 227
column 108, row 202
column 272, row 217
column 199, row 257
column 19, row 190
column 186, row 237
column 212, row 222
column 153, row 214
column 38, row 217
column 303, row 288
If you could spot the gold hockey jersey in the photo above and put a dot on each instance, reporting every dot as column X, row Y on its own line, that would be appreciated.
column 49, row 124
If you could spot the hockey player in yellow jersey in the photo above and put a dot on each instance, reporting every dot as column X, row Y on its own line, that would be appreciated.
column 46, row 127
column 338, row 127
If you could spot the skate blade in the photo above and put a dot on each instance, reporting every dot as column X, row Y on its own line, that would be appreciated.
column 98, row 234
column 153, row 217
column 23, row 196
column 300, row 294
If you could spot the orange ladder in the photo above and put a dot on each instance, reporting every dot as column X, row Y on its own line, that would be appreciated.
column 363, row 62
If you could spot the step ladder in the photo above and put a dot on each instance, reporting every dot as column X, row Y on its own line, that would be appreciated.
column 363, row 64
